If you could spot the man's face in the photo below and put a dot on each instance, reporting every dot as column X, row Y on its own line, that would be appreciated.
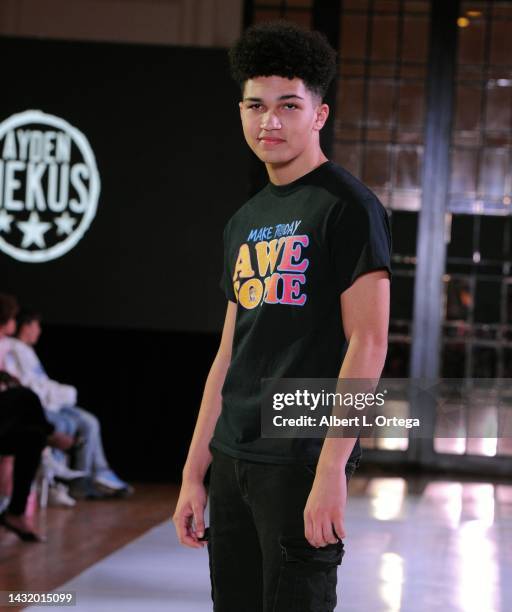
column 31, row 332
column 281, row 118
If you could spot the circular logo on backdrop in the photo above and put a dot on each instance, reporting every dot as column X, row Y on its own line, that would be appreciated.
column 49, row 186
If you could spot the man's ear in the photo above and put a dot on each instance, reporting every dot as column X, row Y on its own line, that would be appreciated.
column 322, row 112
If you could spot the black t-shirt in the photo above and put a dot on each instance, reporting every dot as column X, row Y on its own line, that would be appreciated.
column 289, row 252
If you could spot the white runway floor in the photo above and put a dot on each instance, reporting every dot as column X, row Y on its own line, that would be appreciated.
column 446, row 548
column 151, row 574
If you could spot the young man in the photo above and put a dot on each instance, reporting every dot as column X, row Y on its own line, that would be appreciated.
column 307, row 276
column 59, row 401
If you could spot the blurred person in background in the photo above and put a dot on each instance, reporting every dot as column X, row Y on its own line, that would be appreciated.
column 24, row 432
column 59, row 401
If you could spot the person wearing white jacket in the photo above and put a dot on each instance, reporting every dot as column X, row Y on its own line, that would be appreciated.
column 21, row 361
column 59, row 401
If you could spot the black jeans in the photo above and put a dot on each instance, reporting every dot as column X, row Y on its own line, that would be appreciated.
column 260, row 560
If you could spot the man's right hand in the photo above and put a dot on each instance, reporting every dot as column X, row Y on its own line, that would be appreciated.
column 190, row 506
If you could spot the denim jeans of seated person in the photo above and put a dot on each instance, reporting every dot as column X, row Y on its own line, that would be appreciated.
column 260, row 560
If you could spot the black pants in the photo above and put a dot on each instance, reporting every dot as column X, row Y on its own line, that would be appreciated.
column 260, row 560
column 23, row 433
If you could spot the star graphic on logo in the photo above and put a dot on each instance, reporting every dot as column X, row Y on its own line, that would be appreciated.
column 33, row 231
column 5, row 221
column 64, row 224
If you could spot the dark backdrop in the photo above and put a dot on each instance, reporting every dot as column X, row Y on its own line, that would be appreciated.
column 132, row 314
column 164, row 125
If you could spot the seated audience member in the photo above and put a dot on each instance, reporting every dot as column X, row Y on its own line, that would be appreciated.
column 59, row 401
column 24, row 432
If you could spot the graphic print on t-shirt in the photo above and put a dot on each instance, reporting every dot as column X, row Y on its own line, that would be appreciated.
column 270, row 266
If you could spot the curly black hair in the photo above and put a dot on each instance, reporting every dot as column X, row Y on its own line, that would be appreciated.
column 281, row 48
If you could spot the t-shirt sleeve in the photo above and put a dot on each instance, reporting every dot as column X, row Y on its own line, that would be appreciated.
column 360, row 240
column 226, row 283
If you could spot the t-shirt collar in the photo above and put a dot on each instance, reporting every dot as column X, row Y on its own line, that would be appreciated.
column 283, row 190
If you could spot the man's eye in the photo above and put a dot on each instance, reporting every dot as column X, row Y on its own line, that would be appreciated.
column 292, row 105
column 254, row 105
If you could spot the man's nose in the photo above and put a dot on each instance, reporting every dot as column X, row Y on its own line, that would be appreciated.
column 270, row 121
